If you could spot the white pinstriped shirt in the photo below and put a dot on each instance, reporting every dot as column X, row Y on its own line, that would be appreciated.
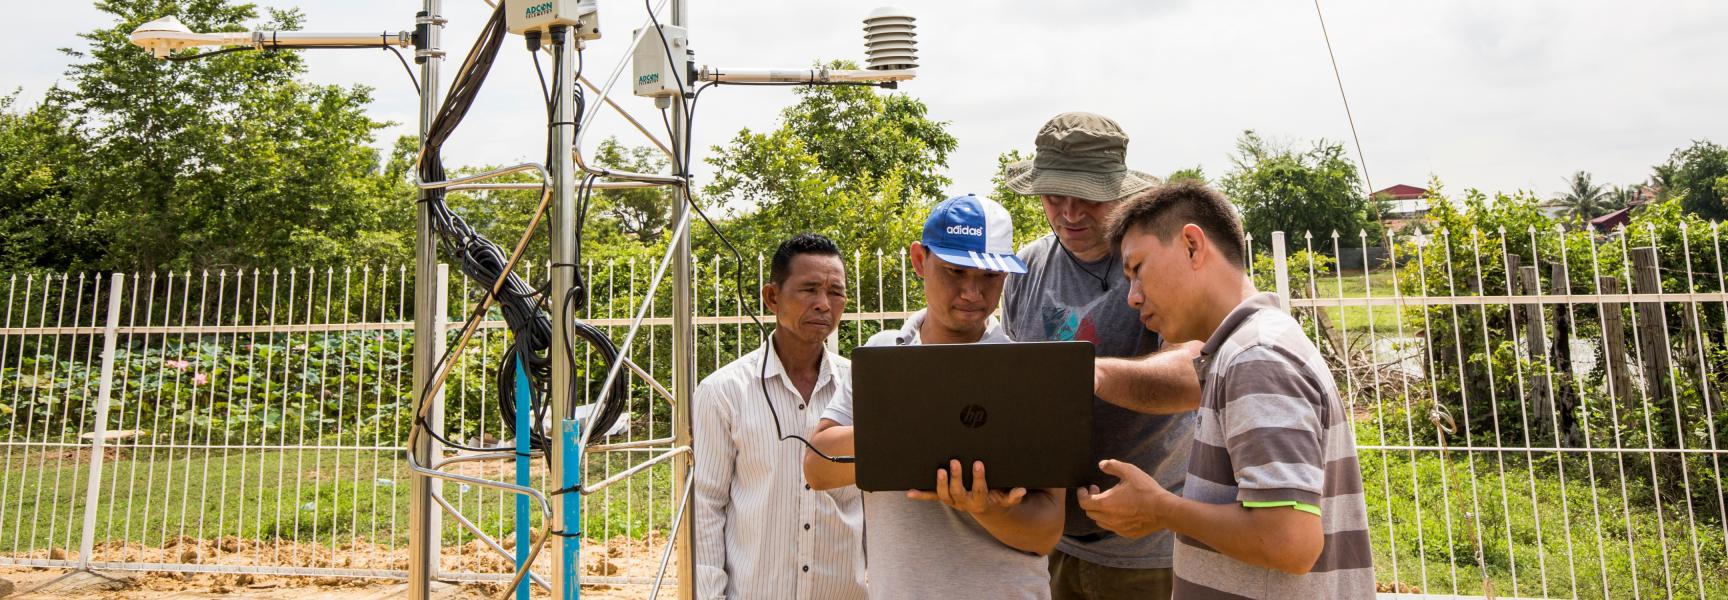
column 761, row 532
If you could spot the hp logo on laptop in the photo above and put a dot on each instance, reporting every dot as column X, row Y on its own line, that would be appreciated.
column 973, row 416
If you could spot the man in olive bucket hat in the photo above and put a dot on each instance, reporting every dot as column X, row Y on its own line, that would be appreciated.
column 1074, row 289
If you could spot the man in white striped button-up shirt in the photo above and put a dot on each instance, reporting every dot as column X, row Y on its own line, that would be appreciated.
column 761, row 532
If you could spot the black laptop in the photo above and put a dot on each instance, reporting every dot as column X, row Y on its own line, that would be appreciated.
column 1024, row 409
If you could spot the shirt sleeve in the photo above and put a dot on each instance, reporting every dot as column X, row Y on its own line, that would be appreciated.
column 1274, row 431
column 1011, row 305
column 840, row 409
column 715, row 458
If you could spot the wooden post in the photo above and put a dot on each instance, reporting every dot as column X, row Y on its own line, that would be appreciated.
column 1565, row 400
column 1531, row 283
column 1652, row 326
column 1614, row 341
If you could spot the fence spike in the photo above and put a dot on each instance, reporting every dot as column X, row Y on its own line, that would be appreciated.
column 1334, row 235
column 1362, row 233
column 1307, row 235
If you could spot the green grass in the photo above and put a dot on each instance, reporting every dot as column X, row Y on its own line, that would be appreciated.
column 153, row 497
column 306, row 496
column 1558, row 538
column 320, row 497
column 1356, row 320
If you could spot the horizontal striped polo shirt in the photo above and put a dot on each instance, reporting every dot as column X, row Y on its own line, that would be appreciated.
column 1272, row 433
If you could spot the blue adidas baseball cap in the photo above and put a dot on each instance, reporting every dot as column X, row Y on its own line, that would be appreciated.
column 972, row 232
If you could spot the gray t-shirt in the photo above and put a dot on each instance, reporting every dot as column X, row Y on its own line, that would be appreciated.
column 923, row 549
column 1059, row 299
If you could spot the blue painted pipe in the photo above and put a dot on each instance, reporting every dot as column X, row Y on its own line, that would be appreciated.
column 569, row 434
column 524, row 460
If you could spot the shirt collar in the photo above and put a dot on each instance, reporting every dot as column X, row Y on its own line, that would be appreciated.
column 1233, row 321
column 908, row 334
column 824, row 372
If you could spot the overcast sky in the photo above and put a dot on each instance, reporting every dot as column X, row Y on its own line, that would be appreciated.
column 1489, row 94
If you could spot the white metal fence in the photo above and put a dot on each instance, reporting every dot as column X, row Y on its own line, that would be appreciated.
column 254, row 419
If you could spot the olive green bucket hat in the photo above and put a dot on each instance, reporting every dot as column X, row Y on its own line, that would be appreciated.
column 1079, row 155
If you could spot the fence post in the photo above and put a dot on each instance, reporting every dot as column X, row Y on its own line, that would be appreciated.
column 1530, row 280
column 1281, row 270
column 1614, row 337
column 1652, row 322
column 93, row 489
column 1565, row 400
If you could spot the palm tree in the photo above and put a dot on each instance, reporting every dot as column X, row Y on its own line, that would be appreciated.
column 1661, row 180
column 1623, row 196
column 1583, row 199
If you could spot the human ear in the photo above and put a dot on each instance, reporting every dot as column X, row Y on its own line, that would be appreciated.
column 771, row 297
column 916, row 251
column 1195, row 239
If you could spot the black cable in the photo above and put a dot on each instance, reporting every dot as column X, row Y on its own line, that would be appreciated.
column 762, row 378
column 1103, row 282
column 575, row 297
column 483, row 261
column 679, row 159
column 191, row 57
column 410, row 70
column 387, row 46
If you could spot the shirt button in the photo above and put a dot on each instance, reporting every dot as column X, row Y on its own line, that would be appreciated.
column 806, row 568
column 800, row 407
column 806, row 486
column 806, row 527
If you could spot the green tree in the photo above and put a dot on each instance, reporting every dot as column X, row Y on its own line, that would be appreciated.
column 1194, row 173
column 1027, row 211
column 1698, row 176
column 230, row 160
column 847, row 162
column 1315, row 191
column 1583, row 199
column 41, row 156
column 1623, row 196
column 642, row 214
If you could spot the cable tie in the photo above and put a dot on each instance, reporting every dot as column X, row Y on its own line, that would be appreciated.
column 564, row 534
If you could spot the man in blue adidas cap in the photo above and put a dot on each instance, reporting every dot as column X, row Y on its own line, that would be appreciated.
column 953, row 542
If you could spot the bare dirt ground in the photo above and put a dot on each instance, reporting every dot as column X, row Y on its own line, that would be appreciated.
column 623, row 557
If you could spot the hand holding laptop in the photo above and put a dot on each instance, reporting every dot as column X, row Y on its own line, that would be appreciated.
column 980, row 500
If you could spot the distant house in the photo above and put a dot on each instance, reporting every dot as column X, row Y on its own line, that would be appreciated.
column 1402, row 204
column 1608, row 222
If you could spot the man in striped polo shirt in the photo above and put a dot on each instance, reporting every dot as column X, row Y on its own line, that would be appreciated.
column 1272, row 506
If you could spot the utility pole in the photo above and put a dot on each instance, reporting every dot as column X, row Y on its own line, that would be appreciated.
column 424, row 519
column 683, row 341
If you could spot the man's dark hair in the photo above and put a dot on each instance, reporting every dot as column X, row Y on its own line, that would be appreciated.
column 1163, row 211
column 803, row 243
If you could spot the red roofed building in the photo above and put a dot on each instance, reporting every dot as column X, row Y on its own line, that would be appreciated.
column 1403, row 204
